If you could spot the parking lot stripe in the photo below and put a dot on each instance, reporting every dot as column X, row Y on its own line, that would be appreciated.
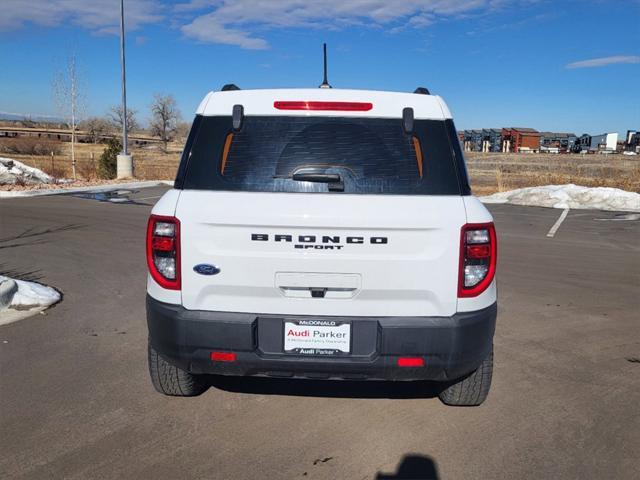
column 556, row 225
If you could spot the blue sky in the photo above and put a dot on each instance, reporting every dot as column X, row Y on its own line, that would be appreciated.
column 551, row 65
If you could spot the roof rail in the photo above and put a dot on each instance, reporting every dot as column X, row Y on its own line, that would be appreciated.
column 229, row 87
column 422, row 91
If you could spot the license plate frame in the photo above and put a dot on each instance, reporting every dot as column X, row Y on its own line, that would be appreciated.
column 319, row 342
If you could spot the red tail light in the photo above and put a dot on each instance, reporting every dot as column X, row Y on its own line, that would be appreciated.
column 163, row 251
column 478, row 256
column 337, row 106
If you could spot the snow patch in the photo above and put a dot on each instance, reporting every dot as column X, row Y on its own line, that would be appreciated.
column 570, row 196
column 29, row 298
column 12, row 171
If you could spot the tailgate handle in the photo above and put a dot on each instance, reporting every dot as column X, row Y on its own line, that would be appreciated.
column 318, row 285
column 317, row 292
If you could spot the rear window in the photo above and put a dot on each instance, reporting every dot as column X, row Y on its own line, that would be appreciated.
column 367, row 155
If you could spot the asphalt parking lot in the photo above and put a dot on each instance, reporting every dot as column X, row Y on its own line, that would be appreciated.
column 76, row 401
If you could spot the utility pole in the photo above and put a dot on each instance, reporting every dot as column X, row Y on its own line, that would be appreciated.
column 125, row 162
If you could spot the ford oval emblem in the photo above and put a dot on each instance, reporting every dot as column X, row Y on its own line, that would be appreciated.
column 206, row 269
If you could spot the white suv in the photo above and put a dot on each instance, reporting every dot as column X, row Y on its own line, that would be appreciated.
column 325, row 234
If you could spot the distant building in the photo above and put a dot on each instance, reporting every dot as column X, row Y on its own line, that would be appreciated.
column 472, row 141
column 557, row 142
column 517, row 139
column 604, row 142
column 485, row 140
column 583, row 143
column 632, row 141
column 491, row 140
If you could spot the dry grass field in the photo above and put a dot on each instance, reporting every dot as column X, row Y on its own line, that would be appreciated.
column 151, row 163
column 489, row 172
column 497, row 172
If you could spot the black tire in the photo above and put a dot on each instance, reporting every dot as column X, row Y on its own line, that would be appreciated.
column 171, row 380
column 471, row 390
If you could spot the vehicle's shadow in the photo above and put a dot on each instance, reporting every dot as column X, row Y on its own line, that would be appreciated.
column 412, row 467
column 325, row 388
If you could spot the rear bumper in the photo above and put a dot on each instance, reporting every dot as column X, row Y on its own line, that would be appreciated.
column 451, row 346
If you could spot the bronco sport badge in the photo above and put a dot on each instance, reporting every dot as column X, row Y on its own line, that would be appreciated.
column 318, row 242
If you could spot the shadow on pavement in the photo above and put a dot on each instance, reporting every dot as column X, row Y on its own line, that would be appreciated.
column 38, row 232
column 412, row 467
column 325, row 388
column 112, row 196
column 32, row 232
column 29, row 275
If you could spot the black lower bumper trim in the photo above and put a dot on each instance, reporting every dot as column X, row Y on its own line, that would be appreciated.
column 451, row 346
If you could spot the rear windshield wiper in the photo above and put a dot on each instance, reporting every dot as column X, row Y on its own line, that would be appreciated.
column 316, row 177
column 333, row 180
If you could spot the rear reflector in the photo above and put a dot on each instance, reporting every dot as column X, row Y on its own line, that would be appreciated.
column 223, row 356
column 411, row 362
column 336, row 106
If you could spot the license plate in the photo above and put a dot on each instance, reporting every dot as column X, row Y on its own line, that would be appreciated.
column 317, row 337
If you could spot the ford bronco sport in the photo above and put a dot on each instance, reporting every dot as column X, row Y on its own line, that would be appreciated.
column 325, row 234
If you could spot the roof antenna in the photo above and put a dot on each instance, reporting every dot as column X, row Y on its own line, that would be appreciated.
column 325, row 83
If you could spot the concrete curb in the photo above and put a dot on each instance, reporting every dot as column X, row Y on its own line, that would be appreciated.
column 93, row 188
column 10, row 315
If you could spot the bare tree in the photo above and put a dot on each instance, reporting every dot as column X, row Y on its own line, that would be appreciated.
column 182, row 130
column 165, row 117
column 68, row 95
column 96, row 128
column 116, row 118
